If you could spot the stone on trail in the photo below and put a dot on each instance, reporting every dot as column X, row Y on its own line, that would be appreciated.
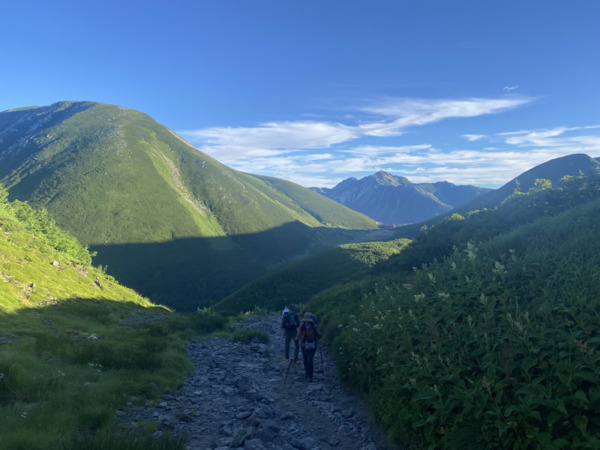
column 242, row 396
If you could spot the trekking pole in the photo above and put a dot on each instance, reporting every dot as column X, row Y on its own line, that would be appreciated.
column 288, row 370
column 321, row 353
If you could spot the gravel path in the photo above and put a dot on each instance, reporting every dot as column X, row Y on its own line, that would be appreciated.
column 239, row 397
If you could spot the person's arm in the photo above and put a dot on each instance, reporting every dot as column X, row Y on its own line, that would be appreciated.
column 299, row 332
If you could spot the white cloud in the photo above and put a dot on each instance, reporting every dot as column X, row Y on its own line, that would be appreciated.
column 510, row 88
column 408, row 113
column 271, row 138
column 552, row 137
column 317, row 153
column 274, row 135
column 472, row 137
column 382, row 150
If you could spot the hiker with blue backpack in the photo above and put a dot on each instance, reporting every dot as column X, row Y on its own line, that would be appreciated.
column 308, row 336
column 290, row 321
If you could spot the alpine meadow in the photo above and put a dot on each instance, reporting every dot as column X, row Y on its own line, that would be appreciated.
column 121, row 243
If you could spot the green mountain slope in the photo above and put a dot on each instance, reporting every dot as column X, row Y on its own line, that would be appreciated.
column 114, row 178
column 115, row 175
column 74, row 343
column 554, row 171
column 484, row 332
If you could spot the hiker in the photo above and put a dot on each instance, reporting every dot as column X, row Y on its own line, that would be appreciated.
column 290, row 323
column 308, row 336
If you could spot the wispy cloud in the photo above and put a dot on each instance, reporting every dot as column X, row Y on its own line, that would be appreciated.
column 552, row 137
column 271, row 138
column 510, row 88
column 407, row 113
column 472, row 137
column 322, row 153
column 390, row 117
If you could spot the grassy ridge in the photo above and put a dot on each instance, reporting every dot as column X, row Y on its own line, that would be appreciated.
column 484, row 332
column 114, row 175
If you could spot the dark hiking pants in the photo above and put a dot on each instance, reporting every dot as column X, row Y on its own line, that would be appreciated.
column 289, row 336
column 309, row 357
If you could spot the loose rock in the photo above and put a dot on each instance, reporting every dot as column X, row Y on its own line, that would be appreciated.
column 239, row 397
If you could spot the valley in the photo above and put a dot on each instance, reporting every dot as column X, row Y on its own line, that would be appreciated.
column 140, row 281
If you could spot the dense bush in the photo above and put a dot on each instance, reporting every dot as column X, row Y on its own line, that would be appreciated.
column 205, row 320
column 42, row 223
column 489, row 343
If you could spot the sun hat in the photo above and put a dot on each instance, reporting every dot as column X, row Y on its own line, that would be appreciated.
column 308, row 318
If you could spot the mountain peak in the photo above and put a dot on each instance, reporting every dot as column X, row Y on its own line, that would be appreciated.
column 389, row 198
column 385, row 178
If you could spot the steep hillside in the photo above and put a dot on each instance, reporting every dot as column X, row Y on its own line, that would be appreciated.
column 391, row 199
column 482, row 333
column 115, row 178
column 115, row 175
column 553, row 171
column 74, row 343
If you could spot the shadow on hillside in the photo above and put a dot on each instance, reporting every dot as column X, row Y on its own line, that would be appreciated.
column 196, row 272
column 89, row 314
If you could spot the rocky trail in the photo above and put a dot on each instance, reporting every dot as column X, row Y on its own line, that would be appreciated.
column 239, row 397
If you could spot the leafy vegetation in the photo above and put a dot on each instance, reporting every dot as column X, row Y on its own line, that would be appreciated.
column 483, row 333
column 75, row 345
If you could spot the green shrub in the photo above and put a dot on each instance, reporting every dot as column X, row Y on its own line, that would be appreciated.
column 207, row 321
column 490, row 343
column 42, row 223
column 247, row 336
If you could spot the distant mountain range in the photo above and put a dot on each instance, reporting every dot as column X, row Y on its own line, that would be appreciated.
column 166, row 219
column 395, row 200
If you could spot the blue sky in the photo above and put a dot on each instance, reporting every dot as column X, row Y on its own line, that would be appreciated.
column 316, row 91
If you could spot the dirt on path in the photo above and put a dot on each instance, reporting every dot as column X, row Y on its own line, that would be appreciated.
column 248, row 396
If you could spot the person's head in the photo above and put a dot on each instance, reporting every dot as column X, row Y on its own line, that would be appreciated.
column 292, row 308
column 308, row 317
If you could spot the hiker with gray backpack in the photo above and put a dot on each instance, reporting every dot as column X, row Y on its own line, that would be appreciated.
column 290, row 321
column 308, row 336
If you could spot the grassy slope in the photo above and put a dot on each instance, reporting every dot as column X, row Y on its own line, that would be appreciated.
column 72, row 345
column 111, row 174
column 326, row 212
column 484, row 332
